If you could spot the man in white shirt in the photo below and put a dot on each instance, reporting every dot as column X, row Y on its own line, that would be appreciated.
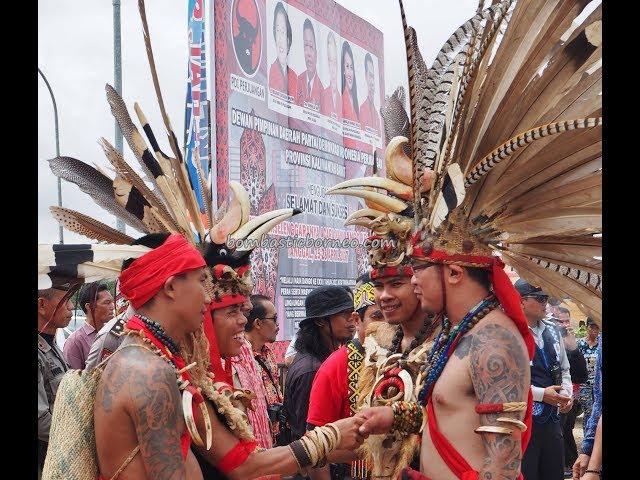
column 551, row 388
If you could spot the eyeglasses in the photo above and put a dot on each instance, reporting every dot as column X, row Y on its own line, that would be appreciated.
column 539, row 299
column 377, row 315
column 274, row 318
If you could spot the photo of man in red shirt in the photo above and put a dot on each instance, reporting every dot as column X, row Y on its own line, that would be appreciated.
column 309, row 85
column 369, row 118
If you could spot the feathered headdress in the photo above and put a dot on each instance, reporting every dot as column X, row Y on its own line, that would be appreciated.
column 389, row 200
column 506, row 146
column 170, row 206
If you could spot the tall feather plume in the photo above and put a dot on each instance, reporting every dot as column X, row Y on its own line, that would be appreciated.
column 522, row 140
column 177, row 160
column 145, row 157
column 522, row 123
column 96, row 185
column 588, row 298
column 127, row 173
column 134, row 202
column 87, row 226
column 184, row 191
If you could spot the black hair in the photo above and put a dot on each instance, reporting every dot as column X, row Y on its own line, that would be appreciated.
column 89, row 294
column 361, row 311
column 368, row 58
column 479, row 275
column 307, row 340
column 257, row 311
column 564, row 310
column 309, row 26
column 346, row 49
column 280, row 9
column 152, row 240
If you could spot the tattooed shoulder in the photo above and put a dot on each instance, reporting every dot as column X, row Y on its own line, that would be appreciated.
column 500, row 373
column 155, row 407
column 499, row 364
column 462, row 350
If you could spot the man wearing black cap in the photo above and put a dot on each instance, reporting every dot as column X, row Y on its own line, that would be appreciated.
column 328, row 324
column 54, row 311
column 551, row 387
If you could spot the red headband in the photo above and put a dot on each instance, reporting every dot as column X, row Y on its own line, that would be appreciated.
column 146, row 275
column 399, row 271
column 504, row 290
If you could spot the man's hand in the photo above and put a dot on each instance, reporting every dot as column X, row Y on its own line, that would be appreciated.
column 377, row 420
column 552, row 397
column 351, row 438
column 567, row 406
column 580, row 466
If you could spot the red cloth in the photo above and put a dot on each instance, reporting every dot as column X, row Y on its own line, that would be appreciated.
column 328, row 106
column 220, row 374
column 315, row 96
column 329, row 398
column 236, row 456
column 456, row 463
column 277, row 79
column 368, row 116
column 146, row 275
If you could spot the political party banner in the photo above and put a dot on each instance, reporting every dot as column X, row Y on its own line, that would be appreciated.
column 197, row 138
column 296, row 109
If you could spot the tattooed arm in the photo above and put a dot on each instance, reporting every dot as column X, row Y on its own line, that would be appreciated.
column 500, row 373
column 155, row 407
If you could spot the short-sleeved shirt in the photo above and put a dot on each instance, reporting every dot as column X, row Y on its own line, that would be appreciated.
column 297, row 390
column 77, row 346
column 329, row 400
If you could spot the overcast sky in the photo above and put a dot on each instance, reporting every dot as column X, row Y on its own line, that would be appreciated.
column 75, row 52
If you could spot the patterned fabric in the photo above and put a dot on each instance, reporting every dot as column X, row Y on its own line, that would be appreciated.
column 355, row 355
column 248, row 376
column 363, row 296
column 268, row 358
column 585, row 394
column 592, row 422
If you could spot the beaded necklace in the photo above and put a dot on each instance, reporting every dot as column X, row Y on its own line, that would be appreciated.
column 427, row 329
column 160, row 334
column 447, row 341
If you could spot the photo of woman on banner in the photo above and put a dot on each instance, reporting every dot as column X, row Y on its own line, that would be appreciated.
column 350, row 108
column 309, row 85
column 369, row 118
column 331, row 99
column 281, row 77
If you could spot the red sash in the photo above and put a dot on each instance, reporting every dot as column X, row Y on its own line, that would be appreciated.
column 456, row 463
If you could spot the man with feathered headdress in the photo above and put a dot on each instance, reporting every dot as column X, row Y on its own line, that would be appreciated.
column 531, row 202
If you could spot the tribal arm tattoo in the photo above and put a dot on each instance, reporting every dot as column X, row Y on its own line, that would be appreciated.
column 155, row 407
column 500, row 373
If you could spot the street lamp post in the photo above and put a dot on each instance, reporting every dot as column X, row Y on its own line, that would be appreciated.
column 55, row 112
column 117, row 73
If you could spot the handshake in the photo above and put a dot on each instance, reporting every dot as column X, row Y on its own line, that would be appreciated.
column 369, row 421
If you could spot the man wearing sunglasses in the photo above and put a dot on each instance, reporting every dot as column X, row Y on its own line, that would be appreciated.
column 551, row 387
